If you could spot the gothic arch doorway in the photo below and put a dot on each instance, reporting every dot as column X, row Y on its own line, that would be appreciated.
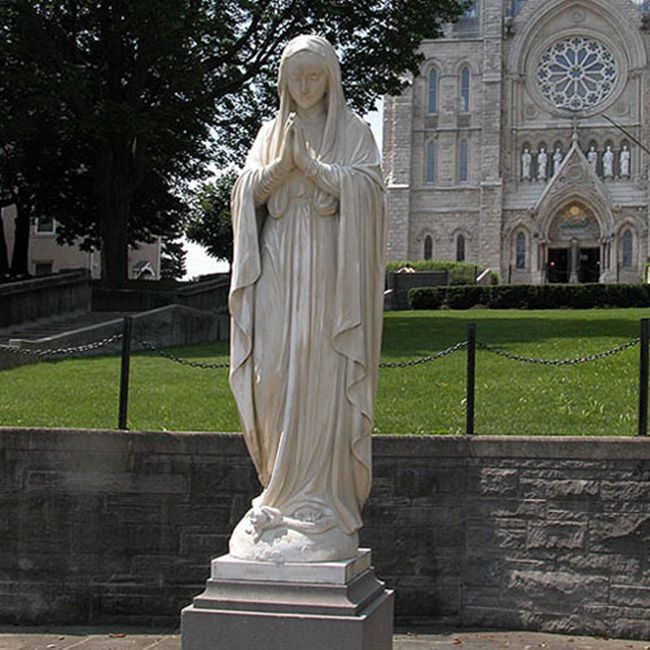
column 575, row 252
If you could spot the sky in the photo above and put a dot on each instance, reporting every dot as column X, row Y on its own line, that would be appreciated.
column 198, row 262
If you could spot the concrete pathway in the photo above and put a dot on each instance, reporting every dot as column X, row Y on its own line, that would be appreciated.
column 101, row 638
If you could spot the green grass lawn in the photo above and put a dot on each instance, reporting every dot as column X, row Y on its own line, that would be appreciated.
column 597, row 398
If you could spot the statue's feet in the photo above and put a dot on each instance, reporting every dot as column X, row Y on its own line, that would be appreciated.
column 266, row 535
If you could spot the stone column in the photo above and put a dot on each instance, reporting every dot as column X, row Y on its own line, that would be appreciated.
column 574, row 261
column 490, row 219
column 398, row 133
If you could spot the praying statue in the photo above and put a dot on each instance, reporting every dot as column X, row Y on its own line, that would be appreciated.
column 557, row 160
column 526, row 160
column 608, row 163
column 592, row 158
column 624, row 162
column 542, row 160
column 306, row 301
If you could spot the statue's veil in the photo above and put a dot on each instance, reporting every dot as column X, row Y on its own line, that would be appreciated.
column 336, row 106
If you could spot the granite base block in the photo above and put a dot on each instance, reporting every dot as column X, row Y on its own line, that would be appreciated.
column 291, row 606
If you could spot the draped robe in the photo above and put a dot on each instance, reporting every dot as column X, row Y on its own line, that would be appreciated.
column 306, row 302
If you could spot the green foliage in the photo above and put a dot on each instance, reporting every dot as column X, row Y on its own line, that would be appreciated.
column 210, row 221
column 131, row 101
column 597, row 398
column 459, row 272
column 172, row 260
column 523, row 296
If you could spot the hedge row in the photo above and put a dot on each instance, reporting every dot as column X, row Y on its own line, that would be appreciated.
column 526, row 296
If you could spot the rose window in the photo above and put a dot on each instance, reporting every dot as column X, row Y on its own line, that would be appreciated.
column 577, row 73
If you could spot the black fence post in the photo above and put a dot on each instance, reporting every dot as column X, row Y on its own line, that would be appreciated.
column 643, row 377
column 124, row 371
column 471, row 368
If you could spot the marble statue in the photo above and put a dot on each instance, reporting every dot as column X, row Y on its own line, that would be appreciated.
column 624, row 162
column 592, row 158
column 557, row 160
column 608, row 163
column 306, row 301
column 542, row 160
column 526, row 160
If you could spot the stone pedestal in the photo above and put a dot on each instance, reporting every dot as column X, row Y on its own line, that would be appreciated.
column 292, row 606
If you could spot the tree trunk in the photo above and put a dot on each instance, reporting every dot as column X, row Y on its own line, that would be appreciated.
column 4, row 258
column 114, row 191
column 19, row 257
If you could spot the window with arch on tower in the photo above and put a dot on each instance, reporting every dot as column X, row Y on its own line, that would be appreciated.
column 464, row 90
column 432, row 91
column 460, row 248
column 520, row 251
column 463, row 161
column 428, row 247
column 628, row 249
column 430, row 172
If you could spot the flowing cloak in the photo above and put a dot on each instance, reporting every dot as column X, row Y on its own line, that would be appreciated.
column 342, row 369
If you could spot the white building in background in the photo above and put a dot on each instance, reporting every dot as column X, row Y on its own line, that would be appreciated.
column 501, row 153
column 46, row 256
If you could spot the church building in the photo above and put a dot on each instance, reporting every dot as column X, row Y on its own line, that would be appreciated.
column 521, row 144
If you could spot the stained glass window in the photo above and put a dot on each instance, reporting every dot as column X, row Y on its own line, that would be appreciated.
column 463, row 161
column 428, row 247
column 464, row 90
column 460, row 248
column 432, row 104
column 577, row 73
column 627, row 249
column 520, row 250
column 431, row 162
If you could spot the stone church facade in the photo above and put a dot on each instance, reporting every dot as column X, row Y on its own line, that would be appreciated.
column 502, row 152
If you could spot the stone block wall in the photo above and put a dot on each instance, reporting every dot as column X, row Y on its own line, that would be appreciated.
column 44, row 297
column 537, row 533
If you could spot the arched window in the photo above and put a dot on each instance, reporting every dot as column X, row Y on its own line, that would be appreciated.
column 428, row 247
column 463, row 161
column 460, row 248
column 628, row 241
column 432, row 97
column 430, row 175
column 464, row 90
column 472, row 10
column 520, row 251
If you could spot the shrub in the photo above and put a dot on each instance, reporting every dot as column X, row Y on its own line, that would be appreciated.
column 525, row 296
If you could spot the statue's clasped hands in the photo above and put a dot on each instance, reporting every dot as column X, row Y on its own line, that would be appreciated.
column 294, row 152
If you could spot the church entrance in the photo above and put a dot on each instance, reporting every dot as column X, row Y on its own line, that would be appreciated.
column 558, row 265
column 589, row 265
column 574, row 250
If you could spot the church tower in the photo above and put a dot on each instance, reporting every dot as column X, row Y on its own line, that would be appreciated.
column 475, row 149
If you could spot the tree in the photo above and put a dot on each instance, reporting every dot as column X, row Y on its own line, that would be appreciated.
column 145, row 94
column 172, row 260
column 210, row 224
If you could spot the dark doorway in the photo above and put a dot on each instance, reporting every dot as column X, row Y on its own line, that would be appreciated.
column 558, row 265
column 589, row 267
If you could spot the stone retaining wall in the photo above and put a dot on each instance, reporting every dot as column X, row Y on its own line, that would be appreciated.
column 45, row 297
column 545, row 534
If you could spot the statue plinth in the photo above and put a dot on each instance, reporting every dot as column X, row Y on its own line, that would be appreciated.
column 293, row 605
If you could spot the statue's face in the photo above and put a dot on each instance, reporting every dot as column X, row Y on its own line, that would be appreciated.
column 306, row 79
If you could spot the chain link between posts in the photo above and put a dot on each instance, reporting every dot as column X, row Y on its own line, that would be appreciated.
column 183, row 362
column 558, row 362
column 426, row 359
column 51, row 352
column 148, row 345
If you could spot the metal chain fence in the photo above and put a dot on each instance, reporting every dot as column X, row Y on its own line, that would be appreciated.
column 52, row 352
column 559, row 362
column 152, row 347
column 471, row 344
